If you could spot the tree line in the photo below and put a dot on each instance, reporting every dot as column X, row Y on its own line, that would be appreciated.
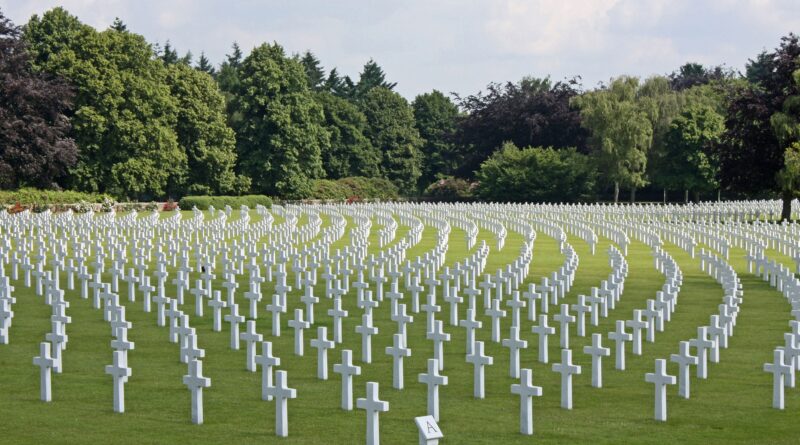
column 106, row 111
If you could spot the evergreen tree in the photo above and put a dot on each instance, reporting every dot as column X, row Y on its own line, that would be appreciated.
column 281, row 136
column 391, row 130
column 371, row 76
column 186, row 59
column 169, row 55
column 118, row 25
column 204, row 65
column 350, row 152
column 435, row 116
column 314, row 71
column 209, row 144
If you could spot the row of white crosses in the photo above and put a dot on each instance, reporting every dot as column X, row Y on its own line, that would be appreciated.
column 786, row 358
column 504, row 280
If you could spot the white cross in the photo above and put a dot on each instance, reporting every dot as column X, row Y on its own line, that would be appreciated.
column 282, row 393
column 398, row 351
column 684, row 359
column 703, row 344
column 438, row 337
column 267, row 362
column 619, row 336
column 660, row 379
column 564, row 319
column 196, row 382
column 567, row 370
column 637, row 325
column 251, row 338
column 780, row 371
column 543, row 330
column 298, row 324
column 120, row 371
column 514, row 344
column 433, row 380
column 373, row 406
column 234, row 319
column 45, row 364
column 526, row 392
column 347, row 369
column 479, row 361
column 597, row 351
column 337, row 314
column 496, row 313
column 322, row 344
column 470, row 325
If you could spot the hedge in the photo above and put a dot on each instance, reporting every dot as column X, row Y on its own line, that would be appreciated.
column 219, row 202
column 354, row 187
column 31, row 196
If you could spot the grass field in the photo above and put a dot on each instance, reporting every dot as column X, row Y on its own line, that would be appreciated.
column 732, row 406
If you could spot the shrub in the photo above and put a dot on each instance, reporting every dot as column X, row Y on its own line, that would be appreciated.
column 537, row 175
column 204, row 202
column 328, row 189
column 354, row 187
column 450, row 189
column 169, row 206
column 31, row 197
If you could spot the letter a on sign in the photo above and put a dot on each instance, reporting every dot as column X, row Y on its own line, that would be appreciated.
column 429, row 432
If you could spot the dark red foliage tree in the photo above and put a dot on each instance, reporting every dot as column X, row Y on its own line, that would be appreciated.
column 35, row 149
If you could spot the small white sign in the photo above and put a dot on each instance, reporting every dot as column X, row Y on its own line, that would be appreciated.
column 428, row 429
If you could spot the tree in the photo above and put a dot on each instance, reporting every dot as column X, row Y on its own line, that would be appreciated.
column 281, row 136
column 436, row 117
column 694, row 74
column 371, row 76
column 531, row 112
column 691, row 163
column 205, row 66
column 621, row 132
column 169, row 55
column 335, row 84
column 228, row 80
column 118, row 25
column 536, row 175
column 124, row 114
column 314, row 71
column 350, row 152
column 391, row 130
column 786, row 125
column 209, row 144
column 35, row 149
column 186, row 59
column 751, row 154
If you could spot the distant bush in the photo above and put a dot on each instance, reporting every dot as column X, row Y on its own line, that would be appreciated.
column 219, row 202
column 34, row 197
column 537, row 175
column 354, row 187
column 329, row 189
column 451, row 189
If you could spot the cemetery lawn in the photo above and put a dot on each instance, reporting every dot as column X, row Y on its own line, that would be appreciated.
column 732, row 406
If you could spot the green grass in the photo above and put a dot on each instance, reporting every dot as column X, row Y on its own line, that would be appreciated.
column 732, row 406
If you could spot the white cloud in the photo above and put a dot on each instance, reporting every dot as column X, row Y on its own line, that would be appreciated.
column 543, row 27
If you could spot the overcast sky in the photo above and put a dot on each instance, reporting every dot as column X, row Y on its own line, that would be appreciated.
column 459, row 45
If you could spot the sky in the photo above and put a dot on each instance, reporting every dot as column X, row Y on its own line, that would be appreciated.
column 459, row 45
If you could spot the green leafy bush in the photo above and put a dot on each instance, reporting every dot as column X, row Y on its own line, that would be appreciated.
column 537, row 175
column 32, row 196
column 329, row 189
column 451, row 189
column 219, row 202
column 356, row 186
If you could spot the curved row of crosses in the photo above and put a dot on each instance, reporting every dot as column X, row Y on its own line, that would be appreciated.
column 207, row 257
